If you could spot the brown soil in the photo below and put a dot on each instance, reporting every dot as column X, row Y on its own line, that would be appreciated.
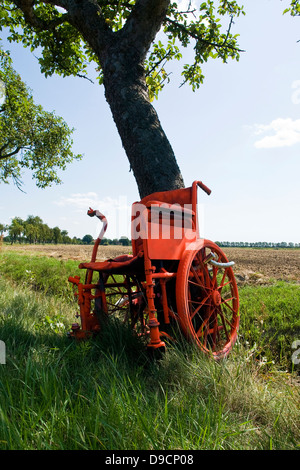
column 259, row 265
column 251, row 265
column 75, row 252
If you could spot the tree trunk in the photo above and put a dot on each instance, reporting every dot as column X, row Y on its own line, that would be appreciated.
column 149, row 152
column 121, row 56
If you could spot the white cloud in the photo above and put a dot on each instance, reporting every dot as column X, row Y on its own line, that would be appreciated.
column 79, row 201
column 117, row 211
column 284, row 133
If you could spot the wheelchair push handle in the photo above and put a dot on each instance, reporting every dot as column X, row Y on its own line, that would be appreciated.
column 203, row 187
column 102, row 218
column 96, row 213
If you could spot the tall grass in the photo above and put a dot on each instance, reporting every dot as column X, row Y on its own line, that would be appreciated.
column 107, row 394
column 47, row 275
column 270, row 321
column 270, row 314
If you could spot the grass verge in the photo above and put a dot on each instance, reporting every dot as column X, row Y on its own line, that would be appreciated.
column 106, row 394
column 270, row 313
column 42, row 274
column 270, row 322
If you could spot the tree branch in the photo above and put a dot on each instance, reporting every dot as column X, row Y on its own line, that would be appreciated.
column 85, row 15
column 205, row 41
column 158, row 63
column 228, row 30
column 144, row 23
column 27, row 7
column 8, row 155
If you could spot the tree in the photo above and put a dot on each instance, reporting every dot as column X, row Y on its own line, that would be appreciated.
column 65, row 237
column 294, row 9
column 29, row 136
column 16, row 229
column 56, row 235
column 87, row 239
column 124, row 241
column 32, row 228
column 45, row 233
column 119, row 36
column 3, row 228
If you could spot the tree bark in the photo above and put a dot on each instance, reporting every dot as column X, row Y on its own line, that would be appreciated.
column 149, row 152
column 121, row 56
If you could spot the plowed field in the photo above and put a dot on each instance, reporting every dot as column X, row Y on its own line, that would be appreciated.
column 251, row 265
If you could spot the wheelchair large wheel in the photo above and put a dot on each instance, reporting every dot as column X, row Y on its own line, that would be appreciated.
column 207, row 299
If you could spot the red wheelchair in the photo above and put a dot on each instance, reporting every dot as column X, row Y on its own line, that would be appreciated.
column 172, row 280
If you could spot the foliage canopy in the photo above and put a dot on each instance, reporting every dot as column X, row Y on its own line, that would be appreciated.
column 30, row 137
column 294, row 8
column 47, row 25
column 131, row 43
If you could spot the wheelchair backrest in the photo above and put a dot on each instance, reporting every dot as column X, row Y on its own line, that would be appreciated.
column 163, row 223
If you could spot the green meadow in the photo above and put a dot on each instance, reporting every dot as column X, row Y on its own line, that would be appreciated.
column 106, row 394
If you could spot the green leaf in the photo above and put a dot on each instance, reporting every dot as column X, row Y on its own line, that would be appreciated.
column 63, row 50
column 29, row 136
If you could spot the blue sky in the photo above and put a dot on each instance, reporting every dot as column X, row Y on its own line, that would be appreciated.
column 239, row 134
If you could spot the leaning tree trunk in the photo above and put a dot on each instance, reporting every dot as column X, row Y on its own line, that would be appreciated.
column 121, row 55
column 149, row 152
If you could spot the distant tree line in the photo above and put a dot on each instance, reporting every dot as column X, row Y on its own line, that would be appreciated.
column 259, row 244
column 34, row 230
